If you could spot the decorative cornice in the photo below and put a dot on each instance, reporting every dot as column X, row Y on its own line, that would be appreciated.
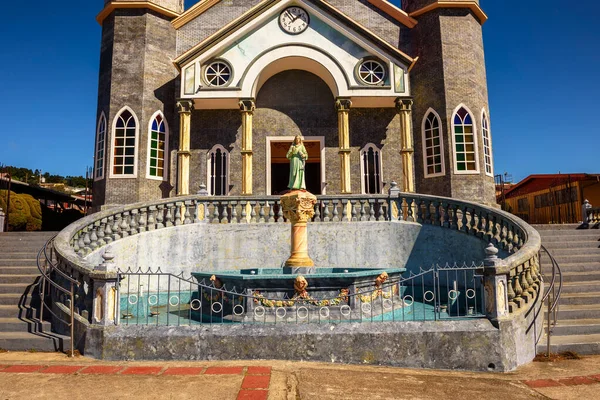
column 193, row 12
column 394, row 12
column 473, row 6
column 110, row 7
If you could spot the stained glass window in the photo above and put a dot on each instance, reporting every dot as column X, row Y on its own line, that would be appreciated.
column 100, row 142
column 124, row 144
column 487, row 145
column 190, row 79
column 218, row 179
column 465, row 149
column 157, row 143
column 371, row 72
column 370, row 157
column 433, row 145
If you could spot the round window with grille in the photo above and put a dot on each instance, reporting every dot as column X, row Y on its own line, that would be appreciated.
column 371, row 72
column 218, row 74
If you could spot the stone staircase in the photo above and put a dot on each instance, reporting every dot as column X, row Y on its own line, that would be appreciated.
column 19, row 299
column 577, row 252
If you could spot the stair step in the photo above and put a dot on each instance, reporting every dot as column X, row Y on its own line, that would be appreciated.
column 573, row 267
column 591, row 251
column 584, row 326
column 30, row 262
column 577, row 258
column 27, row 279
column 584, row 245
column 19, row 270
column 24, row 341
column 581, row 287
column 554, row 227
column 588, row 298
column 13, row 255
column 590, row 311
column 14, row 288
column 14, row 324
column 12, row 311
column 569, row 232
column 580, row 344
column 581, row 276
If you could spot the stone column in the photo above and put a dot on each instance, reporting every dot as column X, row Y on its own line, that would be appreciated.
column 105, row 310
column 183, row 169
column 343, row 108
column 299, row 208
column 404, row 108
column 247, row 108
column 495, row 285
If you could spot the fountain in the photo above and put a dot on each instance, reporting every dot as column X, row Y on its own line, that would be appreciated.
column 344, row 291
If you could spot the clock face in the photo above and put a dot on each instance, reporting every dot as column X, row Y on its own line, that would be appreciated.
column 294, row 20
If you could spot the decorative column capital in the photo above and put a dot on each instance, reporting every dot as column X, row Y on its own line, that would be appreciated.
column 185, row 106
column 247, row 105
column 343, row 104
column 403, row 104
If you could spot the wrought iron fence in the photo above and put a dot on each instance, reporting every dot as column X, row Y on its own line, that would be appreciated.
column 438, row 293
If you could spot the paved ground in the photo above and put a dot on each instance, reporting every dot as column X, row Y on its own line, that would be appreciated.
column 54, row 376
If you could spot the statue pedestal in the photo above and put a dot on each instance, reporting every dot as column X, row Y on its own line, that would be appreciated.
column 299, row 207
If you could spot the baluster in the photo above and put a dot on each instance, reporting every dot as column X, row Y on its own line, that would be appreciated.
column 133, row 223
column 187, row 218
column 410, row 210
column 143, row 222
column 402, row 216
column 94, row 236
column 517, row 284
column 381, row 210
column 473, row 222
column 504, row 234
column 480, row 225
column 529, row 277
column 253, row 212
column 511, row 292
column 244, row 219
column 437, row 216
column 124, row 227
column 116, row 227
column 427, row 211
column 234, row 214
column 363, row 214
column 344, row 210
column 216, row 215
column 75, row 243
column 419, row 209
column 317, row 216
column 271, row 212
column 336, row 217
column 495, row 230
column 196, row 211
column 510, row 237
column 224, row 214
column 178, row 213
column 353, row 209
column 280, row 218
column 371, row 203
column 489, row 229
column 108, row 230
column 100, row 234
column 261, row 211
column 160, row 216
column 151, row 220
column 326, row 211
column 169, row 215
column 464, row 227
column 86, row 241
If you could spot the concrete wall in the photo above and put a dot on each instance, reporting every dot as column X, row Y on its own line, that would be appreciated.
column 219, row 247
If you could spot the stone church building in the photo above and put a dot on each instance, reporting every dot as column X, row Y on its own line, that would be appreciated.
column 215, row 94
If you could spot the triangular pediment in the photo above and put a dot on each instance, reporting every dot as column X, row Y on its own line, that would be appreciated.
column 219, row 20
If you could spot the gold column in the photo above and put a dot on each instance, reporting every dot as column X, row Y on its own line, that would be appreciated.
column 343, row 108
column 247, row 107
column 404, row 107
column 183, row 169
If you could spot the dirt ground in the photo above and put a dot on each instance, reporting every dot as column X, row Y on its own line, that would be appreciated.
column 55, row 376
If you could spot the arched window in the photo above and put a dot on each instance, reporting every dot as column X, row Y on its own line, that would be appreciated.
column 487, row 144
column 124, row 160
column 465, row 142
column 433, row 145
column 158, row 139
column 370, row 168
column 100, row 146
column 218, row 171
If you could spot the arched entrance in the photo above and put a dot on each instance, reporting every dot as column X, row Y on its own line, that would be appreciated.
column 289, row 103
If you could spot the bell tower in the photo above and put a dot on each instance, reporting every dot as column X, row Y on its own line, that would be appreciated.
column 450, row 73
column 137, row 83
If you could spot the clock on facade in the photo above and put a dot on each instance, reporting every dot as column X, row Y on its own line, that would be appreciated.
column 294, row 20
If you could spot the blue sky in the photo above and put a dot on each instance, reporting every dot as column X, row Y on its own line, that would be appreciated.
column 542, row 57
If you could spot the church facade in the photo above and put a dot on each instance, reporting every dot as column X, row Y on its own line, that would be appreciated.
column 214, row 95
